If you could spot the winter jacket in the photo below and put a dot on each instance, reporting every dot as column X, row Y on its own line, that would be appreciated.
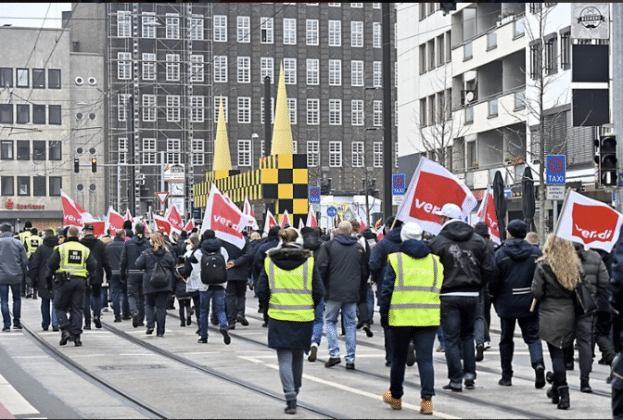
column 289, row 334
column 147, row 261
column 98, row 251
column 596, row 275
column 378, row 258
column 466, row 262
column 557, row 320
column 37, row 268
column 260, row 254
column 208, row 246
column 343, row 269
column 242, row 259
column 114, row 250
column 14, row 261
column 509, row 288
column 616, row 274
column 53, row 263
column 312, row 242
column 413, row 248
column 131, row 251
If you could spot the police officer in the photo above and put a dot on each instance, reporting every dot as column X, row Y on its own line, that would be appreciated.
column 31, row 243
column 72, row 262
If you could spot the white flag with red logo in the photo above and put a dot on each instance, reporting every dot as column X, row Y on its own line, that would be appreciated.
column 225, row 219
column 588, row 221
column 301, row 224
column 175, row 219
column 269, row 221
column 431, row 187
column 114, row 221
column 311, row 219
column 486, row 213
column 248, row 210
column 285, row 220
column 162, row 224
column 189, row 226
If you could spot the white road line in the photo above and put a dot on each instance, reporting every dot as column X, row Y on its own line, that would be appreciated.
column 13, row 400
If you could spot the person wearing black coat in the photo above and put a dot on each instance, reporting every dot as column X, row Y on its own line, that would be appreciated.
column 98, row 251
column 156, row 297
column 236, row 289
column 483, row 318
column 271, row 241
column 119, row 289
column 312, row 242
column 37, row 272
column 132, row 276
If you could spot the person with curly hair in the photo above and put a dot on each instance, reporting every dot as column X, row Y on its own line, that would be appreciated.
column 557, row 274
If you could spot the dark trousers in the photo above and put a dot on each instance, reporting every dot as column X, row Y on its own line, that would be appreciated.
column 603, row 324
column 235, row 294
column 119, row 297
column 423, row 338
column 69, row 298
column 558, row 365
column 92, row 297
column 617, row 390
column 136, row 299
column 47, row 306
column 156, row 310
column 530, row 332
column 458, row 314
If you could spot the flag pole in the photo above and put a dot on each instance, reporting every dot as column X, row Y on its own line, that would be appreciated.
column 564, row 205
column 411, row 185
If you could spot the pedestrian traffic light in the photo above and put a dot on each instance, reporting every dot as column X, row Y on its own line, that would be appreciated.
column 325, row 186
column 76, row 165
column 94, row 165
column 607, row 160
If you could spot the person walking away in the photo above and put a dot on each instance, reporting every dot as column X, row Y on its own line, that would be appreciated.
column 96, row 278
column 156, row 297
column 515, row 263
column 343, row 269
column 603, row 322
column 271, row 241
column 13, row 266
column 193, row 282
column 237, row 273
column 362, row 307
column 555, row 279
column 483, row 316
column 291, row 287
column 467, row 266
column 71, row 264
column 312, row 242
column 32, row 242
column 37, row 272
column 410, row 306
column 372, row 240
column 26, row 290
column 118, row 288
column 132, row 276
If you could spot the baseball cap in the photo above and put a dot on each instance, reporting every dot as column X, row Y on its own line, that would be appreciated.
column 450, row 210
column 88, row 226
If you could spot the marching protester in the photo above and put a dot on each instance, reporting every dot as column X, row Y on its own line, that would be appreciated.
column 362, row 306
column 13, row 266
column 37, row 271
column 291, row 287
column 238, row 267
column 119, row 297
column 193, row 283
column 271, row 241
column 26, row 290
column 133, row 276
column 96, row 278
column 312, row 242
column 483, row 316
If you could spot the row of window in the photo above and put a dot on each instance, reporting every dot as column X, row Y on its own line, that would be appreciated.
column 26, row 78
column 26, row 186
column 436, row 52
column 37, row 151
column 544, row 60
column 9, row 114
column 173, row 153
column 436, row 108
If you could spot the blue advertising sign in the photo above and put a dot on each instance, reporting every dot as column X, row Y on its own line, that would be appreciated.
column 331, row 211
column 556, row 169
column 508, row 192
column 398, row 184
column 314, row 195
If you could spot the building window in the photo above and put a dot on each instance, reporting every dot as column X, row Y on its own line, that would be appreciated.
column 313, row 111
column 535, row 60
column 55, row 150
column 196, row 27
column 23, row 78
column 39, row 186
column 313, row 153
column 565, row 49
column 356, row 34
column 551, row 66
column 335, row 72
column 378, row 154
column 468, row 51
column 56, row 183
column 469, row 115
column 312, row 71
column 423, row 112
column 292, row 110
column 244, row 29
column 396, row 113
column 448, row 47
column 124, row 24
column 492, row 40
column 54, row 114
column 149, row 66
column 173, row 67
column 196, row 68
column 493, row 108
column 356, row 112
column 6, row 77
column 312, row 31
column 220, row 68
column 6, row 113
column 198, row 152
column 441, row 54
column 377, row 74
column 123, row 150
column 7, row 185
column 431, row 54
column 173, row 108
column 266, row 30
column 376, row 5
column 173, row 151
column 220, row 28
column 122, row 106
column 23, row 150
column 173, row 26
column 197, row 109
column 357, row 154
column 244, row 69
column 54, row 79
column 6, row 150
column 335, row 154
column 38, row 78
column 448, row 103
column 244, row 152
column 149, row 25
column 432, row 115
column 377, row 114
column 23, row 186
column 520, row 100
column 422, row 58
column 149, row 151
column 23, row 114
column 38, row 114
column 272, row 109
column 377, row 35
column 244, row 110
column 519, row 28
column 335, row 33
column 217, row 101
column 124, row 65
column 356, row 73
column 289, row 31
column 267, row 68
column 289, row 70
column 356, row 5
column 149, row 108
column 335, row 111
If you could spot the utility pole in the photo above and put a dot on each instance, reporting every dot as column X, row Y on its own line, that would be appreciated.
column 388, row 156
column 131, row 152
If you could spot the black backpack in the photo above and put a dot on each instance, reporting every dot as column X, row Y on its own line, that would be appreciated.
column 158, row 278
column 213, row 268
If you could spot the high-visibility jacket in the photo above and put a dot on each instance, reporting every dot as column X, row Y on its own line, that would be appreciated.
column 415, row 300
column 290, row 291
column 73, row 259
column 23, row 235
column 32, row 243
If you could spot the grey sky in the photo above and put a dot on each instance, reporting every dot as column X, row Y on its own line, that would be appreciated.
column 32, row 14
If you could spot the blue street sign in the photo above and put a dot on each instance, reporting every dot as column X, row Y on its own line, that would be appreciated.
column 507, row 192
column 556, row 169
column 314, row 195
column 398, row 184
column 331, row 211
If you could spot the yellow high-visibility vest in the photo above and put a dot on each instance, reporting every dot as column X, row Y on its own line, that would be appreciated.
column 73, row 259
column 415, row 301
column 290, row 291
column 32, row 242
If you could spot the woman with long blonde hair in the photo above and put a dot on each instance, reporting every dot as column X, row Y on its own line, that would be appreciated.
column 555, row 279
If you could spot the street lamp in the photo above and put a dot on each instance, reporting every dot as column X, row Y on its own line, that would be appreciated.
column 254, row 137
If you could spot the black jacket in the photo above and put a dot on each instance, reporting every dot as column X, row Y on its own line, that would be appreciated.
column 242, row 261
column 53, row 262
column 466, row 262
column 115, row 249
column 378, row 258
column 131, row 251
column 147, row 261
column 98, row 251
column 596, row 276
column 260, row 254
column 37, row 268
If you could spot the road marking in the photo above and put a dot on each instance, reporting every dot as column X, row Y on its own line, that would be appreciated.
column 13, row 400
column 351, row 390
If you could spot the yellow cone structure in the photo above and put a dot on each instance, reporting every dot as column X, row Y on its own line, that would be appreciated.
column 282, row 131
column 222, row 158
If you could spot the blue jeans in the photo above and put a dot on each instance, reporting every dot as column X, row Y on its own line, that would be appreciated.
column 458, row 314
column 17, row 303
column 370, row 302
column 349, row 312
column 236, row 299
column 440, row 335
column 290, row 371
column 481, row 327
column 530, row 332
column 318, row 323
column 119, row 297
column 46, row 305
column 216, row 294
column 424, row 339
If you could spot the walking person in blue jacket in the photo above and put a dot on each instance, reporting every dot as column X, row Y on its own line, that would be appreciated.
column 13, row 268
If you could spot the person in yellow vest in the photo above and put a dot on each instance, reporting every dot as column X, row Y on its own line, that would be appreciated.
column 31, row 243
column 23, row 236
column 71, row 263
column 290, row 287
column 409, row 306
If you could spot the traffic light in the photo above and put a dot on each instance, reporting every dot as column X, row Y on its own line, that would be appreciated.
column 76, row 165
column 94, row 165
column 325, row 186
column 607, row 159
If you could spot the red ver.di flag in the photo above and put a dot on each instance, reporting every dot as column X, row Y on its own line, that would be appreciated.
column 431, row 187
column 225, row 219
column 590, row 222
column 175, row 219
column 162, row 224
column 486, row 213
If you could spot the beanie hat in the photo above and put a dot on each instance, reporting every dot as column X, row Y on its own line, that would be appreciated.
column 28, row 224
column 368, row 234
column 208, row 234
column 411, row 230
column 517, row 228
column 482, row 229
column 127, row 224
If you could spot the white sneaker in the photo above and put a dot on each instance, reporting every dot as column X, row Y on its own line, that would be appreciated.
column 487, row 345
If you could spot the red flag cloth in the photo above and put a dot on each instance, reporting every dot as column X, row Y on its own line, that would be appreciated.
column 285, row 220
column 486, row 213
column 431, row 187
column 269, row 221
column 128, row 216
column 301, row 225
column 225, row 219
column 71, row 215
column 189, row 226
column 311, row 219
column 248, row 210
column 162, row 224
column 99, row 228
column 114, row 221
column 175, row 219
